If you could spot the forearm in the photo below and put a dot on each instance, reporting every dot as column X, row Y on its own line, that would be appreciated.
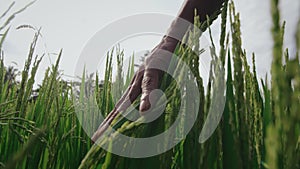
column 184, row 20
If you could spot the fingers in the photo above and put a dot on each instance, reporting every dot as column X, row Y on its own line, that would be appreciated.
column 131, row 93
column 151, row 81
column 114, row 112
column 134, row 91
column 107, row 121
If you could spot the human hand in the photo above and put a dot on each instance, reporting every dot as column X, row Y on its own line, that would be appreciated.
column 144, row 81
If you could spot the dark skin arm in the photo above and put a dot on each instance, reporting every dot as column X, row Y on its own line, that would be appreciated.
column 146, row 78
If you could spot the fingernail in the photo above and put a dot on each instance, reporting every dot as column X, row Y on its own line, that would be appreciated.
column 144, row 106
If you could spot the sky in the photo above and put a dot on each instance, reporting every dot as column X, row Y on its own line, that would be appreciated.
column 70, row 24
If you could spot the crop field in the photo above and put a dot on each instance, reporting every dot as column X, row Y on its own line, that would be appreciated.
column 259, row 127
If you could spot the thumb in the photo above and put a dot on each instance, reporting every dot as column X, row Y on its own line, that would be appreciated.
column 151, row 81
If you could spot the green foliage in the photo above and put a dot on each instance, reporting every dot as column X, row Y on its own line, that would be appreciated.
column 260, row 127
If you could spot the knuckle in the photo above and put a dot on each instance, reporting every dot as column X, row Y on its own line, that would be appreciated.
column 147, row 80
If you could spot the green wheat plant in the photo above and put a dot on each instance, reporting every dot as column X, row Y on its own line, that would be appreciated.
column 259, row 127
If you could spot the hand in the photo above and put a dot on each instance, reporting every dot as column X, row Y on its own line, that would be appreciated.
column 144, row 81
column 147, row 79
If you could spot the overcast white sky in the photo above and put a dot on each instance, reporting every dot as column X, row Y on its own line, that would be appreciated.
column 69, row 24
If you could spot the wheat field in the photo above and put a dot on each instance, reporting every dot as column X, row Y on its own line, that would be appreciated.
column 259, row 129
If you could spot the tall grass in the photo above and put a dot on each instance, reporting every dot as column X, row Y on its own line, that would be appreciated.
column 260, row 127
column 42, row 132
